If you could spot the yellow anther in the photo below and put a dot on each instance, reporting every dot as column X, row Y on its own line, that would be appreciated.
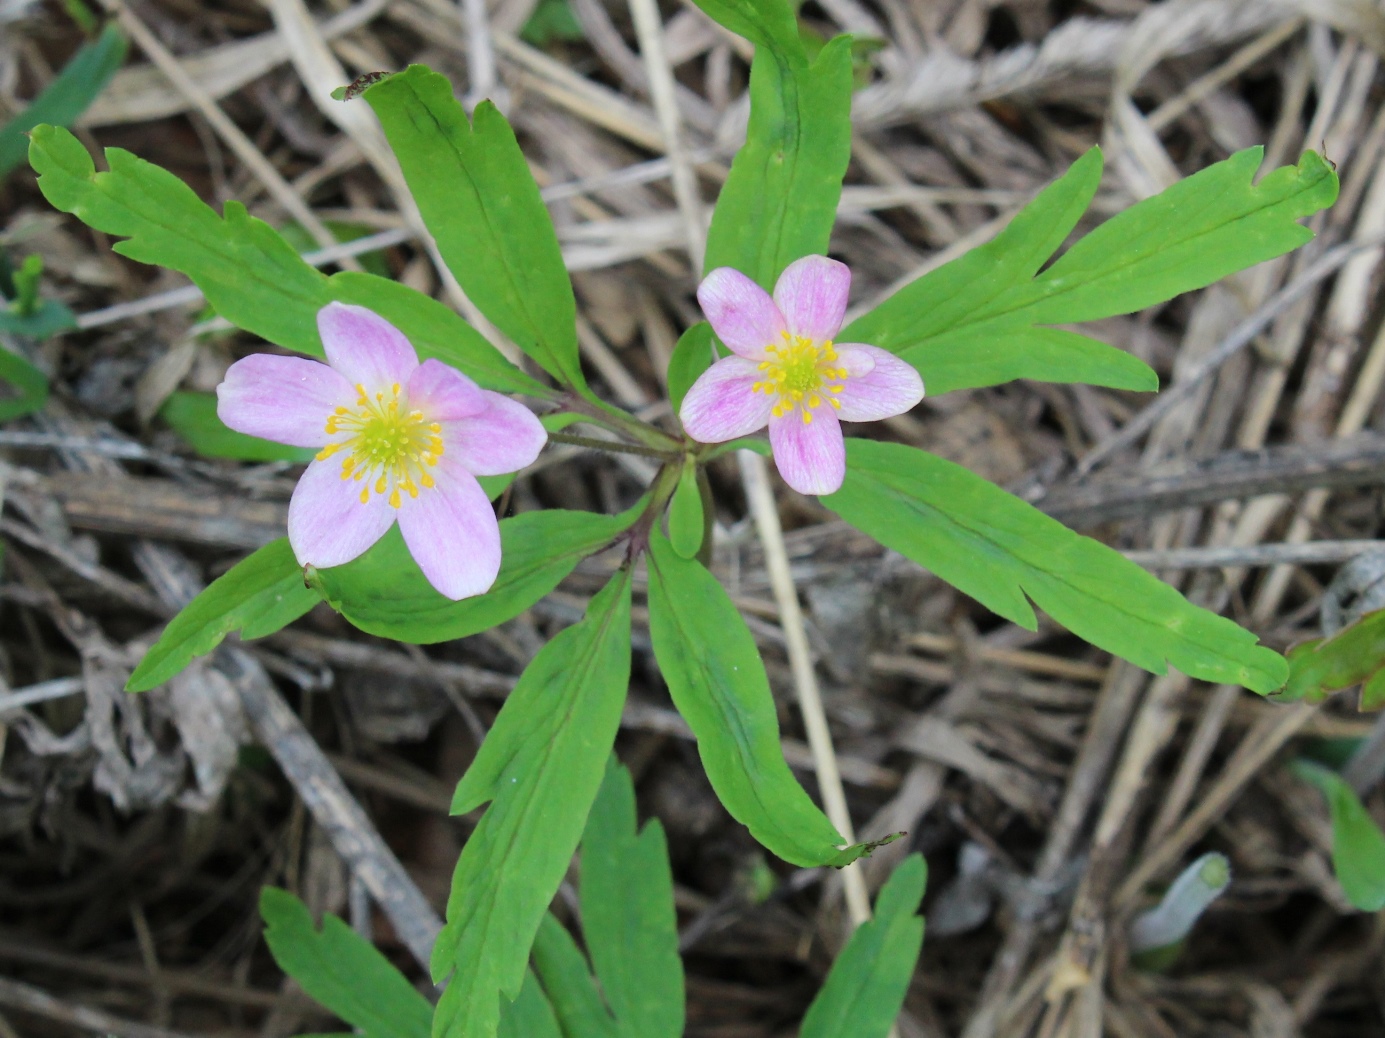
column 800, row 372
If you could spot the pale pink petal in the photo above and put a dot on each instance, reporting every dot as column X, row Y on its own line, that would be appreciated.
column 811, row 294
column 364, row 347
column 886, row 385
column 443, row 393
column 721, row 405
column 742, row 313
column 452, row 532
column 328, row 524
column 505, row 437
column 809, row 455
column 284, row 399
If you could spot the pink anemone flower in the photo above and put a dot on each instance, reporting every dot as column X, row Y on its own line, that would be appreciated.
column 399, row 440
column 787, row 372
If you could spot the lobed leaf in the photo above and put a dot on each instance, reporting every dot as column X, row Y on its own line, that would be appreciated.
column 342, row 970
column 998, row 549
column 257, row 596
column 718, row 682
column 566, row 978
column 540, row 767
column 1353, row 656
column 867, row 984
column 245, row 268
column 628, row 918
column 383, row 592
column 982, row 319
column 478, row 198
column 1358, row 845
column 769, row 24
column 780, row 199
column 529, row 1015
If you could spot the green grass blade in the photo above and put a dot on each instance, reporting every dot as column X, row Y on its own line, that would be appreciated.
column 999, row 549
column 540, row 767
column 478, row 198
column 257, row 596
column 342, row 970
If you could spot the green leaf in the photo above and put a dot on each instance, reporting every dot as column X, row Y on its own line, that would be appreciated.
column 770, row 24
column 67, row 96
column 384, row 592
column 530, row 1015
column 718, row 682
column 628, row 918
column 249, row 274
column 998, row 549
column 691, row 357
column 552, row 20
column 980, row 319
column 193, row 417
column 1358, row 845
column 868, row 982
column 685, row 518
column 780, row 200
column 31, row 383
column 566, row 978
column 342, row 970
column 48, row 320
column 257, row 596
column 540, row 767
column 1353, row 655
column 478, row 198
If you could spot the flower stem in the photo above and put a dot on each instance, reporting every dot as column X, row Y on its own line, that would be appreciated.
column 611, row 445
column 618, row 421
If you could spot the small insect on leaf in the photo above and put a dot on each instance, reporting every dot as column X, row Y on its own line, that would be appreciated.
column 359, row 85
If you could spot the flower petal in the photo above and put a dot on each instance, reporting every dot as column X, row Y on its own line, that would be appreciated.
column 443, row 393
column 452, row 533
column 505, row 437
column 328, row 524
column 721, row 404
column 284, row 399
column 809, row 455
column 364, row 347
column 742, row 313
column 887, row 385
column 811, row 294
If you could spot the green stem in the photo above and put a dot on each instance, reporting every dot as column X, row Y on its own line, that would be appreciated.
column 618, row 421
column 611, row 445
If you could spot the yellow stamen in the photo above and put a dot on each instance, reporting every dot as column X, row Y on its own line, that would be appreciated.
column 798, row 373
column 387, row 446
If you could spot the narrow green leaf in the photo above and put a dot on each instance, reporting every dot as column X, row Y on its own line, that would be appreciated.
column 868, row 982
column 530, row 1015
column 31, row 384
column 770, row 24
column 1358, row 845
column 780, row 200
column 691, row 357
column 51, row 318
column 1353, row 655
column 384, row 592
column 685, row 525
column 477, row 196
column 257, row 596
column 540, row 767
column 249, row 274
column 979, row 320
column 566, row 978
column 67, row 96
column 717, row 680
column 341, row 970
column 628, row 918
column 193, row 417
column 998, row 549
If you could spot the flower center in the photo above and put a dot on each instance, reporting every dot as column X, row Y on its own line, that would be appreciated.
column 389, row 449
column 802, row 374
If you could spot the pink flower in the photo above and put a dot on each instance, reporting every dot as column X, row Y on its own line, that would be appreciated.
column 400, row 441
column 788, row 373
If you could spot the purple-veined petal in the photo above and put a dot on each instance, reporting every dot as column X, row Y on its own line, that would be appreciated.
column 741, row 312
column 364, row 347
column 811, row 294
column 888, row 386
column 328, row 524
column 721, row 405
column 443, row 393
column 452, row 532
column 505, row 437
column 284, row 399
column 809, row 455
